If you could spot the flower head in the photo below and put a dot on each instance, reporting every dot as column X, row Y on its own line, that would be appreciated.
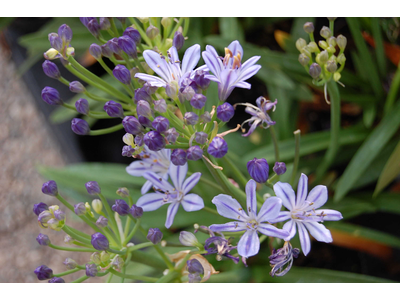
column 229, row 71
column 304, row 212
column 251, row 222
column 281, row 258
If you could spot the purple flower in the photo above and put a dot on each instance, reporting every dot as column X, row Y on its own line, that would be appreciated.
column 229, row 71
column 92, row 187
column 39, row 207
column 121, row 207
column 303, row 212
column 80, row 126
column 77, row 87
column 51, row 96
column 51, row 69
column 99, row 241
column 91, row 270
column 157, row 162
column 281, row 258
column 258, row 169
column 50, row 188
column 154, row 140
column 122, row 74
column 178, row 157
column 136, row 211
column 114, row 109
column 43, row 239
column 249, row 243
column 218, row 147
column 225, row 112
column 279, row 168
column 82, row 106
column 173, row 195
column 43, row 272
column 259, row 114
column 178, row 40
column 154, row 235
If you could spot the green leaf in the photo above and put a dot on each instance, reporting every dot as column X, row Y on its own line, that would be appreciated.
column 386, row 202
column 390, row 171
column 231, row 29
column 368, row 151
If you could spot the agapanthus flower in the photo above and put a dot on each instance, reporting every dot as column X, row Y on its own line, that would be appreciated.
column 259, row 114
column 157, row 162
column 304, row 212
column 229, row 72
column 251, row 222
column 281, row 260
column 175, row 194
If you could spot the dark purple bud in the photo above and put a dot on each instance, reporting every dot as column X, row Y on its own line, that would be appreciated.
column 171, row 90
column 160, row 124
column 94, row 28
column 143, row 108
column 56, row 280
column 136, row 211
column 145, row 122
column 206, row 117
column 154, row 140
column 139, row 139
column 186, row 93
column 194, row 266
column 85, row 21
column 43, row 239
column 92, row 187
column 60, row 215
column 65, row 33
column 178, row 157
column 80, row 209
column 127, row 151
column 51, row 69
column 80, row 127
column 114, row 109
column 95, row 51
column 171, row 135
column 133, row 34
column 128, row 46
column 121, row 207
column 43, row 272
column 142, row 94
column 201, row 137
column 194, row 153
column 258, row 169
column 77, row 87
column 113, row 44
column 198, row 101
column 91, row 270
column 82, row 106
column 105, row 24
column 154, row 235
column 106, row 50
column 70, row 263
column 44, row 217
column 152, row 32
column 178, row 40
column 99, row 241
column 121, row 19
column 132, row 125
column 123, row 192
column 279, row 168
column 122, row 74
column 194, row 278
column 190, row 118
column 315, row 70
column 160, row 106
column 39, row 207
column 55, row 41
column 225, row 112
column 102, row 222
column 200, row 80
column 218, row 147
column 51, row 96
column 50, row 188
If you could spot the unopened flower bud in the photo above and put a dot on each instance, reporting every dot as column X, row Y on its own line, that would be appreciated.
column 206, row 117
column 95, row 257
column 121, row 207
column 187, row 238
column 313, row 47
column 43, row 272
column 80, row 209
column 50, row 188
column 315, row 70
column 68, row 240
column 51, row 70
column 308, row 27
column 99, row 241
column 279, row 168
column 105, row 23
column 198, row 101
column 114, row 109
column 171, row 135
column 225, row 112
column 76, row 87
column 136, row 211
column 106, row 50
column 336, row 76
column 70, row 263
column 331, row 66
column 132, row 125
column 65, row 33
column 218, row 147
column 91, row 270
column 190, row 118
column 51, row 54
column 341, row 41
column 55, row 41
column 178, row 157
column 94, row 28
column 92, row 187
column 178, row 40
column 56, row 280
column 154, row 140
column 102, row 222
column 331, row 18
column 143, row 108
column 201, row 137
column 123, row 192
column 143, row 20
column 341, row 59
column 104, row 256
column 43, row 239
column 258, row 169
column 166, row 22
column 122, row 74
column 332, row 41
column 194, row 153
column 300, row 44
column 97, row 205
column 171, row 90
column 60, row 215
column 40, row 207
column 152, row 32
column 160, row 124
column 54, row 224
column 86, row 20
column 128, row 45
column 303, row 59
column 325, row 32
column 82, row 106
column 133, row 34
column 80, row 126
column 324, row 45
column 186, row 94
column 118, row 262
column 194, row 267
column 95, row 51
column 200, row 79
column 139, row 139
column 51, row 96
column 154, row 235
column 322, row 57
column 160, row 106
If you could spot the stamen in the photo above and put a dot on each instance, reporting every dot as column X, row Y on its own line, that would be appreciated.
column 249, row 209
column 236, row 63
column 214, row 166
column 222, row 134
column 158, row 66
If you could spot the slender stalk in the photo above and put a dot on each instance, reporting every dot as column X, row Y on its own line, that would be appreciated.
column 296, row 156
column 78, row 232
column 141, row 31
column 110, row 278
column 140, row 246
column 169, row 277
column 110, row 214
column 133, row 232
column 238, row 174
column 210, row 210
column 275, row 142
column 75, row 236
column 114, row 28
column 72, row 249
column 106, row 130
column 171, row 35
column 134, row 277
column 147, row 259
column 80, row 279
column 394, row 88
column 67, row 272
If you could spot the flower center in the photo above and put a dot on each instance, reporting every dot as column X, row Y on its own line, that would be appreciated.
column 252, row 224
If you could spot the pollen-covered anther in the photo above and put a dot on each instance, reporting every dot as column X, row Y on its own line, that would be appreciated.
column 228, row 55
column 236, row 62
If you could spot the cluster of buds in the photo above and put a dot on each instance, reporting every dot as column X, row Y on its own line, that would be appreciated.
column 49, row 217
column 60, row 44
column 325, row 62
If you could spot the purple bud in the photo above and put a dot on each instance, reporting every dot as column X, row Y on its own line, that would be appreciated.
column 128, row 46
column 143, row 108
column 99, row 242
column 51, row 96
column 136, row 211
column 50, row 188
column 56, row 280
column 95, row 51
column 142, row 94
column 80, row 127
column 39, row 207
column 82, row 106
column 80, row 209
column 132, row 125
column 201, row 137
column 43, row 272
column 77, row 87
column 194, row 153
column 51, row 69
column 206, row 117
column 178, row 157
column 160, row 106
column 91, row 270
column 154, row 140
column 139, row 139
column 145, row 122
column 114, row 109
column 105, row 24
column 122, row 74
column 190, row 118
column 70, row 263
column 92, row 187
column 200, row 80
column 171, row 90
column 127, row 151
column 186, row 93
column 44, row 217
column 171, row 135
column 279, row 168
column 121, row 207
column 55, row 41
column 121, row 19
column 154, row 235
column 85, row 21
column 43, row 239
column 106, row 50
column 160, row 124
column 133, row 34
column 152, row 31
column 65, row 33
column 178, row 40
column 94, row 28
column 194, row 266
column 59, row 215
column 194, row 278
column 102, row 222
column 198, row 101
column 258, row 169
column 315, row 70
column 113, row 44
column 218, row 147
column 225, row 112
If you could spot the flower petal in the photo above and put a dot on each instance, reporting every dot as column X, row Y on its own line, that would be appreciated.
column 253, row 127
column 270, row 230
column 329, row 214
column 227, row 77
column 318, row 196
column 152, row 80
column 157, row 64
column 150, row 202
column 286, row 193
column 230, row 226
column 229, row 208
column 236, row 48
column 250, row 62
column 249, row 244
column 172, row 210
column 251, row 198
column 191, row 182
column 249, row 72
column 174, row 62
column 291, row 228
column 178, row 174
column 212, row 60
column 282, row 216
column 319, row 232
column 243, row 85
column 146, row 187
column 269, row 210
column 190, row 58
column 302, row 189
column 138, row 168
column 304, row 239
column 158, row 182
column 192, row 202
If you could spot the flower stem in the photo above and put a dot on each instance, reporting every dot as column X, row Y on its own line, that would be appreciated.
column 80, row 279
column 106, row 130
column 110, row 214
column 140, row 246
column 275, row 142
column 71, row 249
column 296, row 156
column 394, row 87
column 135, row 277
column 210, row 210
column 133, row 232
column 67, row 272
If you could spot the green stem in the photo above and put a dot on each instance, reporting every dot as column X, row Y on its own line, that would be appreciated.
column 106, row 130
column 133, row 232
column 177, row 146
column 141, row 31
column 210, row 210
column 275, row 142
column 78, row 232
column 71, row 249
column 80, row 279
column 140, row 246
column 67, row 272
column 134, row 277
column 296, row 156
column 147, row 259
column 110, row 278
column 169, row 277
column 171, row 35
column 75, row 236
column 394, row 88
column 110, row 214
column 114, row 28
column 238, row 174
